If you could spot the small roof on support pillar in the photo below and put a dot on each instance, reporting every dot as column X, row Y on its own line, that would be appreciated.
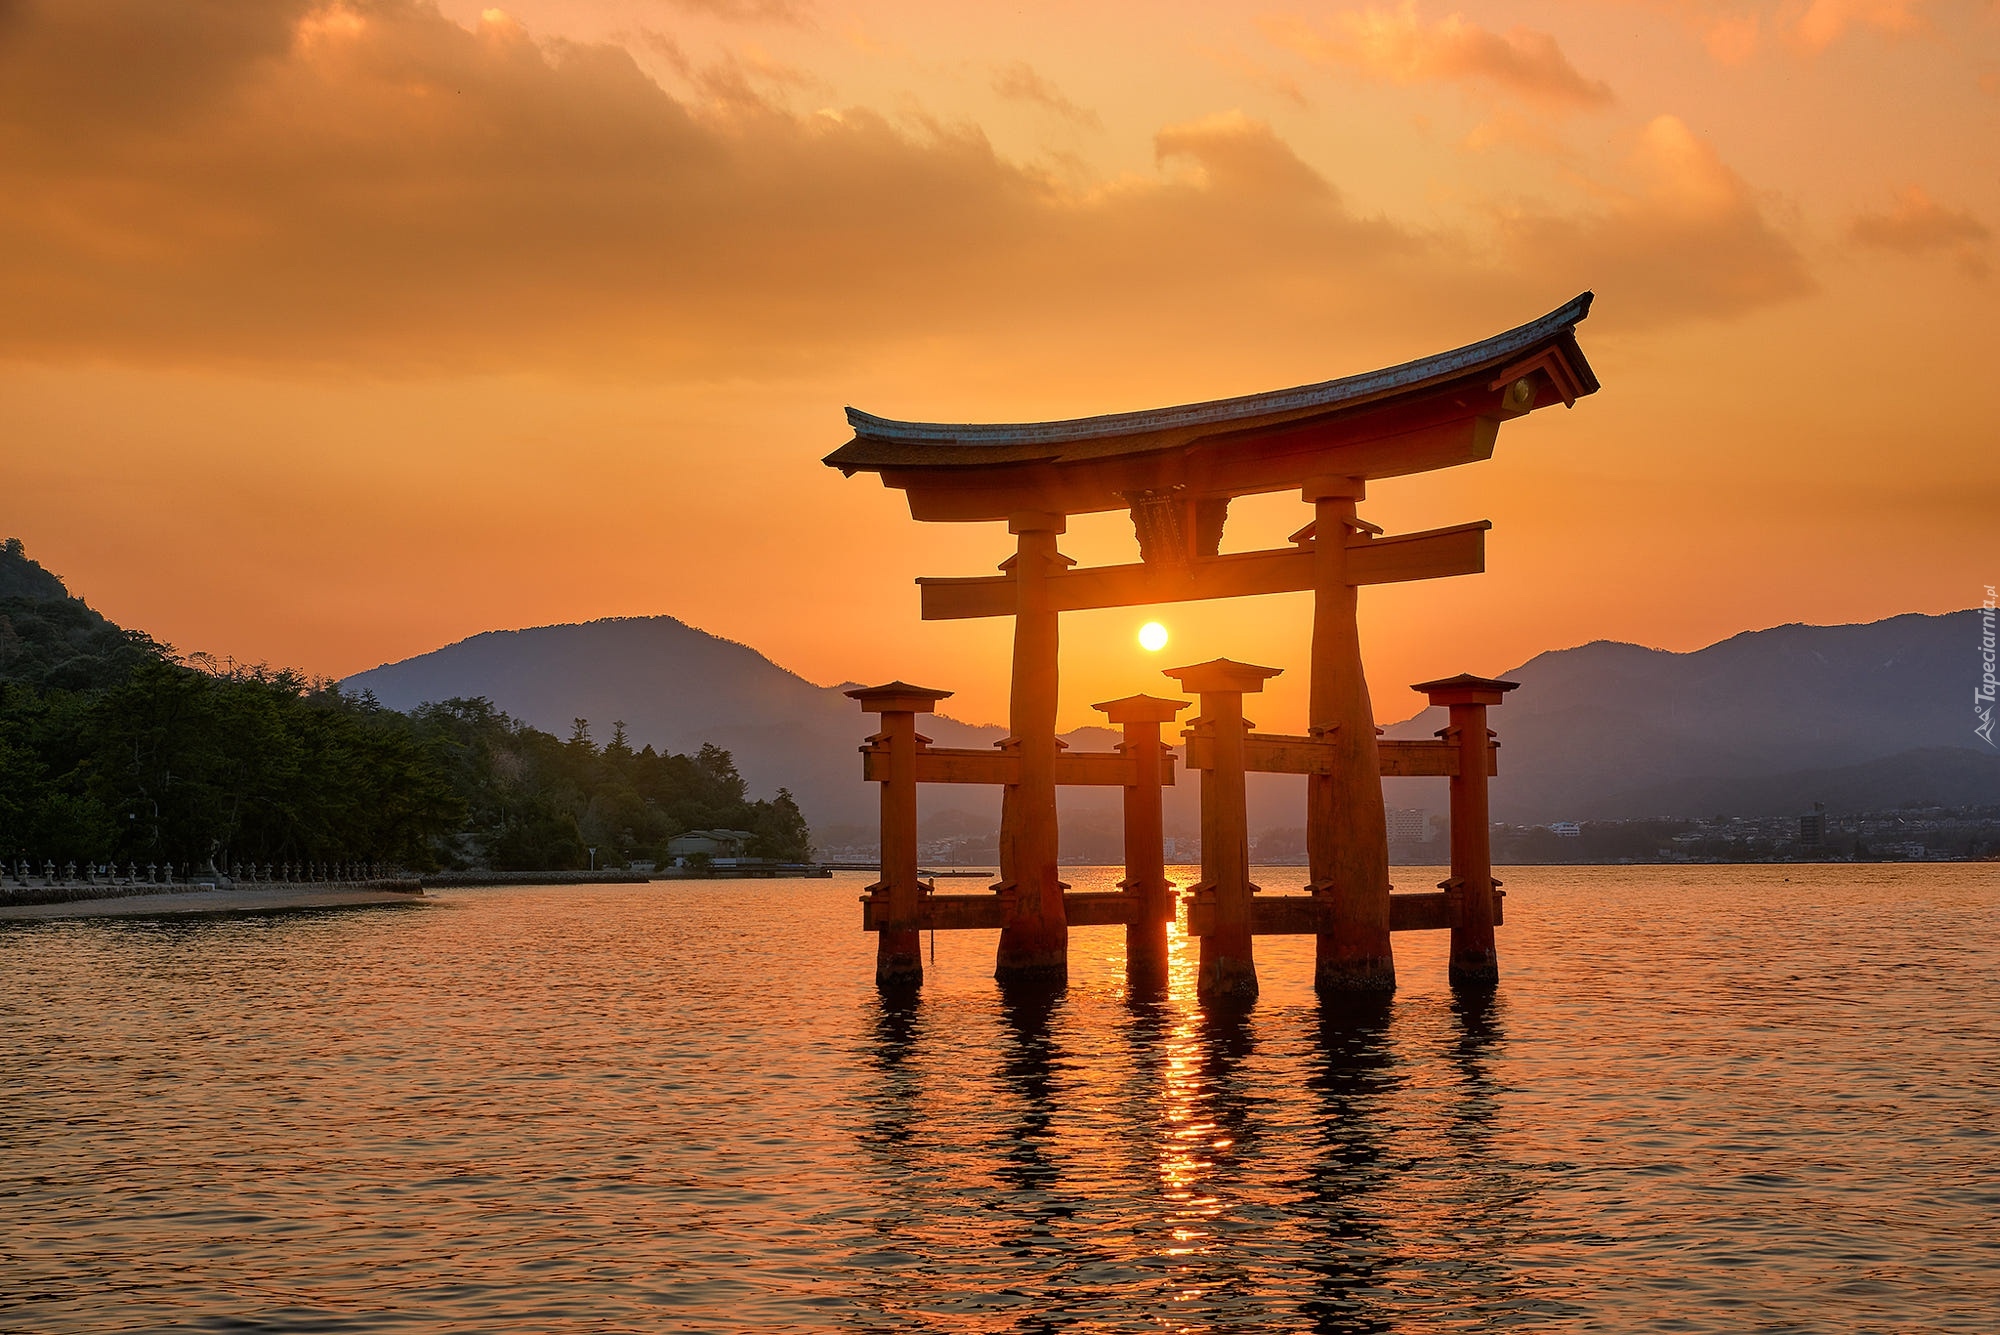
column 1141, row 709
column 1222, row 674
column 1466, row 689
column 898, row 697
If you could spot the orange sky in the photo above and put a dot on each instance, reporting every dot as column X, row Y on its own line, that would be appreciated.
column 332, row 333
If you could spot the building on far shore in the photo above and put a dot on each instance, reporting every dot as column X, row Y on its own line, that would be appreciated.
column 1408, row 825
column 709, row 843
column 1566, row 829
column 1812, row 827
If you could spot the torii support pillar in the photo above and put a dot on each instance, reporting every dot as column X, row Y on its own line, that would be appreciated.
column 1475, row 963
column 1034, row 939
column 899, row 960
column 1145, row 835
column 1228, row 965
column 1347, row 828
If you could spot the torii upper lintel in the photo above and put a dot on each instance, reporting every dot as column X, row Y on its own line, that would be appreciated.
column 1435, row 412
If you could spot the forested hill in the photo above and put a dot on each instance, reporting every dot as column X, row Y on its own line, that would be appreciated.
column 48, row 638
column 113, row 749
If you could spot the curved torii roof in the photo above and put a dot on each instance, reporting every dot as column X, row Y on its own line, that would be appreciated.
column 1254, row 442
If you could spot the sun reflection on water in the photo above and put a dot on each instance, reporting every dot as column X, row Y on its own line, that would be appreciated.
column 570, row 1103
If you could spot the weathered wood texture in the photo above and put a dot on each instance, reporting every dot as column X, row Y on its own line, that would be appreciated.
column 1458, row 550
column 1475, row 959
column 946, row 764
column 1270, row 915
column 1228, row 968
column 1034, row 940
column 1281, row 753
column 989, row 912
column 1309, row 915
column 1141, row 747
column 898, row 953
column 1394, row 442
column 1434, row 412
column 1347, row 827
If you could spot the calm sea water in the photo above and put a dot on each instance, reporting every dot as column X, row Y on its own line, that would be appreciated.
column 1708, row 1099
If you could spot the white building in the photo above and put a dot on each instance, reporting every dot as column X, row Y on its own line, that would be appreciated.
column 1408, row 825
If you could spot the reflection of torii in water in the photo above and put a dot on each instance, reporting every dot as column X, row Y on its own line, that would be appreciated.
column 1176, row 470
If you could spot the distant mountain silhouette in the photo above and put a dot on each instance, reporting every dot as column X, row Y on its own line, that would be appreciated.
column 1764, row 723
column 1868, row 716
column 676, row 687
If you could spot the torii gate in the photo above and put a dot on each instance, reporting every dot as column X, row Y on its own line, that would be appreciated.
column 1176, row 470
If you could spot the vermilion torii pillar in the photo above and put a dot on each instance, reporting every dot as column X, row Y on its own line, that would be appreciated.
column 1228, row 964
column 1145, row 838
column 899, row 960
column 1475, row 962
column 1034, row 940
column 1347, row 829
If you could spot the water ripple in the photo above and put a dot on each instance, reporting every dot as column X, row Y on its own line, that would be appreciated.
column 1706, row 1099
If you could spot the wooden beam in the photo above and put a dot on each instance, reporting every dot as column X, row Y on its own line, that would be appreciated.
column 948, row 764
column 1100, row 908
column 1278, row 753
column 1308, row 915
column 1270, row 915
column 1417, row 758
column 1432, row 554
column 941, row 764
column 1266, row 753
column 986, row 913
column 1429, row 554
column 1104, row 769
column 1410, row 439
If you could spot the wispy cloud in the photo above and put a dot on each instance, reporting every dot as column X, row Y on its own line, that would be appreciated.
column 1019, row 82
column 1734, row 31
column 1258, row 75
column 1919, row 225
column 1397, row 46
column 1679, row 236
column 794, row 13
column 1825, row 21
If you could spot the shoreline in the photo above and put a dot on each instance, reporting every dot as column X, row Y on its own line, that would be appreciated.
column 262, row 899
column 279, row 898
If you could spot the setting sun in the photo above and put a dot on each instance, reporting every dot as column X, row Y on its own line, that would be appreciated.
column 1153, row 637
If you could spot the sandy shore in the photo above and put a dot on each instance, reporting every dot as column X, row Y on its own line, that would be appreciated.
column 214, row 901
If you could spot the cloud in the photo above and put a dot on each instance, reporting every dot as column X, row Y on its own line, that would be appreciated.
column 1396, row 46
column 1732, row 38
column 1018, row 82
column 1824, row 21
column 1242, row 156
column 1734, row 30
column 371, row 186
column 1258, row 75
column 1680, row 237
column 796, row 13
column 1918, row 225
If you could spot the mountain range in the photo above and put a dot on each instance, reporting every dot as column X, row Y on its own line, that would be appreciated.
column 1860, row 717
